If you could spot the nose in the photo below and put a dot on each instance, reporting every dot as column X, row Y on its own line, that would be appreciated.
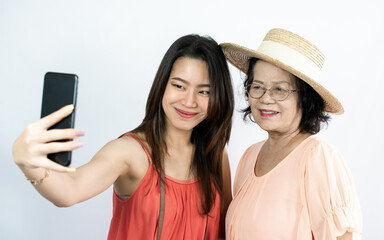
column 266, row 98
column 190, row 99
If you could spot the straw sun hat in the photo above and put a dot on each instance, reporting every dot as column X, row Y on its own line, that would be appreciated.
column 290, row 52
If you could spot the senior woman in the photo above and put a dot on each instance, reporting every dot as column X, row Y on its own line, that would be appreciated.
column 294, row 185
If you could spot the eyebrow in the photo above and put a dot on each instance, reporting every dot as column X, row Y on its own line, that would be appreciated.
column 258, row 81
column 186, row 82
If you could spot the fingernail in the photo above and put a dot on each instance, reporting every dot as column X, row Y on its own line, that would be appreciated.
column 69, row 169
column 70, row 107
column 79, row 133
column 77, row 145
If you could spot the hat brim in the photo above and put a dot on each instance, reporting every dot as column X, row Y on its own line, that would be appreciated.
column 239, row 57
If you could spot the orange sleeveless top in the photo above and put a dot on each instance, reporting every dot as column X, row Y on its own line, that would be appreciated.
column 137, row 217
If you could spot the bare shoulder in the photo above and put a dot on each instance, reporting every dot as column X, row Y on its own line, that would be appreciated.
column 126, row 148
column 225, row 161
column 227, row 189
column 225, row 155
column 136, row 160
column 120, row 154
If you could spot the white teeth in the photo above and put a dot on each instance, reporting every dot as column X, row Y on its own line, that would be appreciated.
column 268, row 112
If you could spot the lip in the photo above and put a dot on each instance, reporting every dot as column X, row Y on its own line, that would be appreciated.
column 185, row 114
column 268, row 112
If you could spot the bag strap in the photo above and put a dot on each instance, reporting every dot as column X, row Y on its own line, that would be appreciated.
column 162, row 206
column 206, row 225
column 162, row 190
column 161, row 212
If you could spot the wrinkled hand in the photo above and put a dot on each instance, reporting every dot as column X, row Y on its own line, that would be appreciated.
column 30, row 149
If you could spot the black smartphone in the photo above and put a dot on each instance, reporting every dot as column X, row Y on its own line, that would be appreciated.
column 60, row 89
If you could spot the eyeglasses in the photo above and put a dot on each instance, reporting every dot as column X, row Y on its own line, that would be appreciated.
column 277, row 93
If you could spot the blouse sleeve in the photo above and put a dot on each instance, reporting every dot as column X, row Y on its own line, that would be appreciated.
column 332, row 201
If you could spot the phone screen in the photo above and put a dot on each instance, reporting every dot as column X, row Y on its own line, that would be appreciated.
column 60, row 89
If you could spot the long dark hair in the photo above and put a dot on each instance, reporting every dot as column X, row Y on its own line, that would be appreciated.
column 211, row 135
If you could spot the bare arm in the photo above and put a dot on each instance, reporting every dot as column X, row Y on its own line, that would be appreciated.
column 65, row 187
column 227, row 192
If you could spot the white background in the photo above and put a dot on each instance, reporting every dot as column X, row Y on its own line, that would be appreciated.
column 115, row 48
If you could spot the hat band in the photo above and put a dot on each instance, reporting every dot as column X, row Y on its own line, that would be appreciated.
column 291, row 58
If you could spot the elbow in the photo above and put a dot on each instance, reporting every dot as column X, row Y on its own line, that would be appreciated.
column 63, row 204
column 62, row 200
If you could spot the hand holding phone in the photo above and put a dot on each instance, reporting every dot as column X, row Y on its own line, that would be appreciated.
column 60, row 89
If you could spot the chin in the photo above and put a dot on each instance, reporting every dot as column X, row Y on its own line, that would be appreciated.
column 268, row 127
column 184, row 127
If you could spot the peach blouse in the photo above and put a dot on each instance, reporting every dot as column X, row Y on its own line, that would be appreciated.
column 309, row 194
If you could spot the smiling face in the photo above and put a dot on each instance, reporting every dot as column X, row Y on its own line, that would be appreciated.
column 273, row 116
column 186, row 96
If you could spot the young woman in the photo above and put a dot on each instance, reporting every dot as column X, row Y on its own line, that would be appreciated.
column 171, row 174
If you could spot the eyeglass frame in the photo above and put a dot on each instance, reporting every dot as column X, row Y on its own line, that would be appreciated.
column 290, row 91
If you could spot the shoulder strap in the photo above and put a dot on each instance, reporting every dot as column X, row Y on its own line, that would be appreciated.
column 141, row 143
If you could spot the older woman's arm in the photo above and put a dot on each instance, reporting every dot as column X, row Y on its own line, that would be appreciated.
column 332, row 200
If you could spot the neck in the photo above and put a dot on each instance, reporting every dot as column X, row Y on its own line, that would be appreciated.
column 177, row 139
column 279, row 140
column 178, row 159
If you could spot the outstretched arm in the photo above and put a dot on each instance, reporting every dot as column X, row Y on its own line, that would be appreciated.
column 64, row 186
